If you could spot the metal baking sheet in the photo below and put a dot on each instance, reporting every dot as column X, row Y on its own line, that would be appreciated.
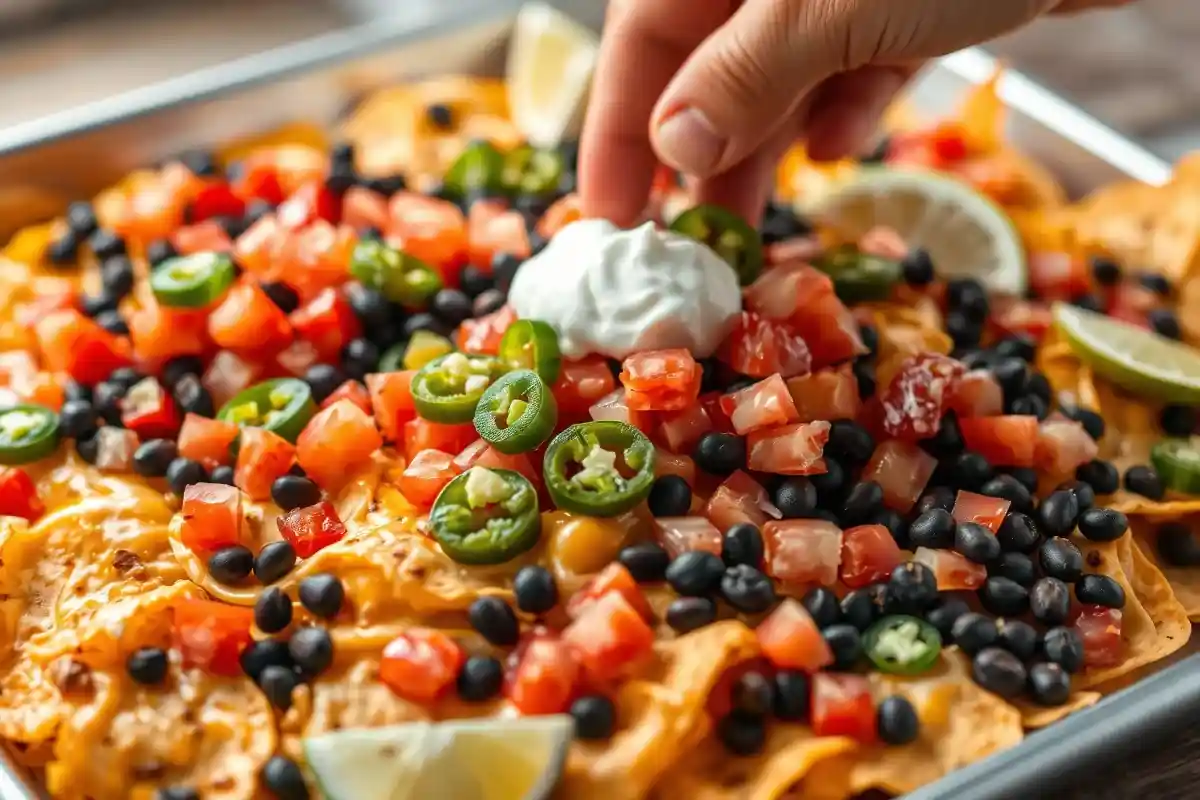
column 46, row 162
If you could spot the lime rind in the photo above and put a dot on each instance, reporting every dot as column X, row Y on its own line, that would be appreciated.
column 1134, row 358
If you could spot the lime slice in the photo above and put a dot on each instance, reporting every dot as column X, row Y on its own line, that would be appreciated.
column 1134, row 358
column 485, row 759
column 966, row 234
column 550, row 67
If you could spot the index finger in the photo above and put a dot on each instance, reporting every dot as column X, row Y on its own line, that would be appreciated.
column 645, row 42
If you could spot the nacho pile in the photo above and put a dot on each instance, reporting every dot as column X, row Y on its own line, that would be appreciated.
column 281, row 461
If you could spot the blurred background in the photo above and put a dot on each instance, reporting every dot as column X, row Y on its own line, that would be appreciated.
column 1137, row 67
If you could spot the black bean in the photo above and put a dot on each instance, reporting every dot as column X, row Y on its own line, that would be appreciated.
column 77, row 419
column 742, row 544
column 796, row 498
column 896, row 721
column 1085, row 496
column 912, row 588
column 273, row 561
column 646, row 561
column 262, row 654
column 1063, row 646
column 1061, row 559
column 494, row 620
column 147, row 665
column 1017, row 567
column 720, row 453
column 863, row 501
column 1003, row 597
column 105, row 244
column 845, row 643
column 686, row 614
column 1049, row 684
column 292, row 491
column 968, row 296
column 116, row 276
column 231, row 565
column 971, row 471
column 999, row 671
column 176, row 793
column 1020, row 345
column 752, row 693
column 191, row 397
column 869, row 336
column 670, row 496
column 862, row 607
column 947, row 442
column 695, row 573
column 1179, row 420
column 284, row 779
column 1100, row 590
column 480, row 679
column 830, row 484
column 222, row 474
column 849, row 442
column 452, row 306
column 311, row 648
column 1164, row 322
column 323, row 380
column 63, row 251
column 917, row 267
column 535, row 590
column 1057, row 514
column 1103, row 524
column 595, row 717
column 1050, row 601
column 322, row 594
column 1018, row 534
column 152, row 458
column 1092, row 422
column 934, row 529
column 273, row 611
column 823, row 606
column 747, row 590
column 1009, row 488
column 183, row 472
column 1177, row 545
column 943, row 615
column 896, row 524
column 1144, row 480
column 81, row 218
column 864, row 376
column 937, row 497
column 976, row 542
column 277, row 683
column 1017, row 637
column 963, row 330
column 742, row 734
column 1102, row 476
column 1106, row 271
column 974, row 632
column 1011, row 374
column 791, row 696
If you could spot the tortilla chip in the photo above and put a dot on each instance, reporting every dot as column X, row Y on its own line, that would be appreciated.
column 1034, row 716
column 1185, row 581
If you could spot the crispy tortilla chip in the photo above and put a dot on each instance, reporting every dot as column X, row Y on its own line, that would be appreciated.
column 1035, row 716
column 1185, row 581
column 905, row 330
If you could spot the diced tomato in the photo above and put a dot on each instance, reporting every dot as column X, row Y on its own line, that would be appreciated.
column 248, row 321
column 790, row 450
column 612, row 407
column 828, row 394
column 308, row 203
column 115, row 448
column 829, row 329
column 666, row 463
column 581, row 383
column 976, row 394
column 149, row 411
column 915, row 399
column 258, row 179
column 493, row 228
column 951, row 570
column 228, row 374
column 562, row 213
column 206, row 440
column 842, row 706
column 260, row 247
column 790, row 639
column 608, row 636
column 211, row 635
column 803, row 551
column 421, row 434
column 362, row 208
column 27, row 314
column 542, row 675
column 160, row 333
column 328, row 322
column 70, row 342
column 759, row 347
column 1058, row 276
column 216, row 199
column 483, row 334
column 426, row 475
column 155, row 206
column 262, row 457
column 680, row 534
column 336, row 442
column 203, row 237
column 353, row 391
column 1100, row 629
column 45, row 389
column 740, row 498
column 288, row 167
column 765, row 404
column 421, row 664
column 948, row 141
column 1131, row 302
column 312, row 528
column 211, row 517
column 482, row 454
column 18, row 495
column 661, row 380
column 711, row 403
column 901, row 469
column 1011, row 317
column 987, row 511
column 869, row 554
column 392, row 401
column 613, row 578
column 1008, row 441
column 432, row 230
column 884, row 242
column 1062, row 446
column 781, row 292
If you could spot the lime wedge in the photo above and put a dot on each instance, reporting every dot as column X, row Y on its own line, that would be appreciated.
column 1131, row 357
column 965, row 233
column 550, row 67
column 485, row 759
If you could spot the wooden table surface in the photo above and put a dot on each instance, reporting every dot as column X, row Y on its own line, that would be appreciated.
column 1139, row 68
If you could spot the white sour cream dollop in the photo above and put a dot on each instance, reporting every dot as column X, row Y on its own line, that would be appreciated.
column 613, row 291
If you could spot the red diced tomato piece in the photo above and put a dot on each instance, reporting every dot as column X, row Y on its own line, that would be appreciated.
column 70, row 342
column 542, row 675
column 211, row 517
column 790, row 639
column 482, row 335
column 363, row 208
column 976, row 394
column 206, row 440
column 115, row 448
column 216, row 199
column 392, row 401
column 951, row 570
column 1008, row 441
column 790, row 450
column 869, row 554
column 1058, row 276
column 258, row 179
column 45, row 389
column 842, row 706
column 828, row 394
column 149, row 411
column 765, row 404
column 203, row 237
column 353, row 391
column 740, row 498
column 271, row 173
column 432, row 230
column 312, row 528
column 328, row 322
column 901, row 470
column 830, row 331
column 336, row 442
column 581, row 383
column 759, row 347
column 1012, row 317
column 482, row 454
column 421, row 664
column 613, row 578
column 681, row 430
column 987, row 511
column 678, row 535
column 661, row 380
column 493, row 228
column 803, row 551
column 608, row 636
column 612, row 407
column 159, row 333
column 674, row 464
column 260, row 247
column 18, row 495
column 562, row 213
column 421, row 434
column 426, row 475
column 262, row 457
column 308, row 203
column 915, row 399
column 211, row 635
column 948, row 141
column 1062, row 446
column 711, row 403
column 1100, row 629
column 229, row 374
column 248, row 321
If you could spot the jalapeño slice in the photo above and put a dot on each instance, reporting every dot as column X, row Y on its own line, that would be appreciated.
column 192, row 281
column 902, row 645
column 399, row 277
column 27, row 433
column 447, row 389
column 733, row 239
column 531, row 170
column 283, row 406
column 532, row 344
column 599, row 468
column 392, row 359
column 486, row 516
column 1177, row 462
column 859, row 277
column 516, row 413
column 479, row 168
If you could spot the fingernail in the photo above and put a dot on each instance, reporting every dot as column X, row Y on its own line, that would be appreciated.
column 688, row 142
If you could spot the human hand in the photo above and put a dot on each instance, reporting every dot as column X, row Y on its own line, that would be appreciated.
column 719, row 89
